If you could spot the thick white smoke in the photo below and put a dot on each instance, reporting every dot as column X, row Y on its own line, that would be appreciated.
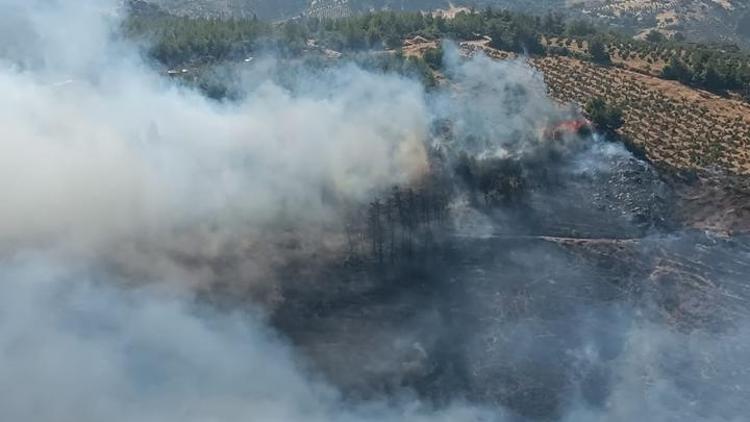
column 101, row 153
column 113, row 176
column 74, row 347
column 498, row 108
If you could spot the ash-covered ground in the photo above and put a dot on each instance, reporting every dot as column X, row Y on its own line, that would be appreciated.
column 583, row 292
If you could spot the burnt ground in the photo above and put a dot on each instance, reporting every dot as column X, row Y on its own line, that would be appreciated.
column 511, row 316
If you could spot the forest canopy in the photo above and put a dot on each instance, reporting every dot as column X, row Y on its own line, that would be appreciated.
column 176, row 41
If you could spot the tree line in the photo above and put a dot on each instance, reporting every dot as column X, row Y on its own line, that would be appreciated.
column 709, row 70
column 178, row 40
column 404, row 222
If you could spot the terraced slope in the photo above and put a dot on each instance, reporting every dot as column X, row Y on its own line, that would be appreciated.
column 678, row 126
column 675, row 125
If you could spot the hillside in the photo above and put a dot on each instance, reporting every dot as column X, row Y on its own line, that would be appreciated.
column 264, row 9
column 463, row 215
column 715, row 20
column 698, row 119
column 682, row 130
column 724, row 21
column 676, row 125
column 282, row 9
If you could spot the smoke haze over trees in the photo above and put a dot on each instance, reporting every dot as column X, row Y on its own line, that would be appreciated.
column 338, row 243
column 179, row 41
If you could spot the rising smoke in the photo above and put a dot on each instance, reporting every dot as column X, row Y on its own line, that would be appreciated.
column 128, row 200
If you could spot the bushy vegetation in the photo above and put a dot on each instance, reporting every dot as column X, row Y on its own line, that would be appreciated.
column 598, row 52
column 708, row 70
column 175, row 40
column 604, row 116
column 178, row 40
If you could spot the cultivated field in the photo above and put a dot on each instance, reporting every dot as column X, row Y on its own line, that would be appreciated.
column 675, row 125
